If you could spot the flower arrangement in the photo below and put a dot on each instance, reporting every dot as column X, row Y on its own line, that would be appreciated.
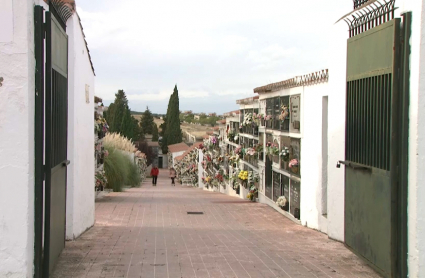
column 208, row 179
column 234, row 159
column 285, row 113
column 243, row 175
column 219, row 178
column 238, row 150
column 272, row 148
column 293, row 163
column 250, row 151
column 258, row 148
column 247, row 119
column 268, row 117
column 201, row 146
column 101, row 125
column 231, row 136
column 281, row 201
column 257, row 118
column 100, row 180
column 285, row 153
column 252, row 192
column 214, row 140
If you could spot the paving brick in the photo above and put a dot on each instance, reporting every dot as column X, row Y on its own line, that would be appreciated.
column 146, row 232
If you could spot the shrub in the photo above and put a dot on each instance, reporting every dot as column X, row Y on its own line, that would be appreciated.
column 133, row 177
column 116, row 169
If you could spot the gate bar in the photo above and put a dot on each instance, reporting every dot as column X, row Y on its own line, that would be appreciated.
column 48, row 145
column 38, row 139
column 402, row 266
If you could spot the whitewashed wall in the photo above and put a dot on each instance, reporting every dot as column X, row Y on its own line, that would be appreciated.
column 416, row 197
column 176, row 154
column 336, row 129
column 17, row 102
column 311, row 157
column 81, row 88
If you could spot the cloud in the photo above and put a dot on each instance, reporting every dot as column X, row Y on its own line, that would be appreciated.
column 216, row 52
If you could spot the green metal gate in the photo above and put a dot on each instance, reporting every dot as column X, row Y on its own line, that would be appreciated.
column 374, row 136
column 51, row 125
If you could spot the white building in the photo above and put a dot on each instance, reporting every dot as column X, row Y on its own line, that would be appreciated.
column 362, row 153
column 176, row 150
column 21, row 119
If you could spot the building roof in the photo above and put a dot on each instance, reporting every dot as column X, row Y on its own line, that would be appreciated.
column 222, row 122
column 216, row 128
column 153, row 144
column 247, row 100
column 297, row 81
column 178, row 147
column 228, row 114
column 97, row 99
column 194, row 146
column 206, row 136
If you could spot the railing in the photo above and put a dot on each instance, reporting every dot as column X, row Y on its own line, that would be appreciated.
column 365, row 19
column 358, row 3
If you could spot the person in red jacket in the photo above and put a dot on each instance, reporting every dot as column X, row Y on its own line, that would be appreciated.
column 154, row 174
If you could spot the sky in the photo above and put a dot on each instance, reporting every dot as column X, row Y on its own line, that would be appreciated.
column 215, row 51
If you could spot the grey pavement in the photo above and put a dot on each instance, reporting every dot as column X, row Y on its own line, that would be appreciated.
column 147, row 232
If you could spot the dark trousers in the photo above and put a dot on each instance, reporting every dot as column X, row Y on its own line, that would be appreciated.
column 154, row 178
column 172, row 180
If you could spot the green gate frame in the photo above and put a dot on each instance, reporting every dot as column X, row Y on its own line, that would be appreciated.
column 378, row 163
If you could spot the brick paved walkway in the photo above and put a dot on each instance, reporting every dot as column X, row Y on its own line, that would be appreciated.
column 146, row 232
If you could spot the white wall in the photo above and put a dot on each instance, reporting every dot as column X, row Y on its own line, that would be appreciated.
column 336, row 129
column 80, row 191
column 17, row 142
column 176, row 154
column 311, row 157
column 416, row 195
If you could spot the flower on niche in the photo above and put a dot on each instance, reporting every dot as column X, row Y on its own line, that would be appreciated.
column 293, row 163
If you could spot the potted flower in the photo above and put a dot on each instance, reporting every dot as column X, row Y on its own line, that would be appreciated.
column 283, row 203
column 252, row 194
column 293, row 164
column 259, row 150
column 272, row 149
column 238, row 151
column 259, row 118
column 100, row 181
column 243, row 176
column 284, row 114
column 231, row 136
column 284, row 154
column 250, row 151
column 247, row 119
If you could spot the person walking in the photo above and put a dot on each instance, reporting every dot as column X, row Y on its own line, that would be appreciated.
column 154, row 174
column 172, row 175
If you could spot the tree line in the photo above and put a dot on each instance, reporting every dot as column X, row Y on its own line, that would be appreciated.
column 120, row 119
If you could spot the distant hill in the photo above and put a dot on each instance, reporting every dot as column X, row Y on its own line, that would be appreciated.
column 141, row 113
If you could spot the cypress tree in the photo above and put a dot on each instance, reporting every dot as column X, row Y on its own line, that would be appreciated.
column 173, row 133
column 118, row 111
column 147, row 121
column 155, row 136
column 127, row 129
column 137, row 131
